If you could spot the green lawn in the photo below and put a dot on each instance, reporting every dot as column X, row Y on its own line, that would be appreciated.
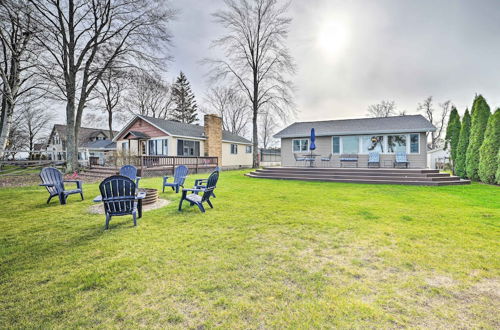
column 272, row 254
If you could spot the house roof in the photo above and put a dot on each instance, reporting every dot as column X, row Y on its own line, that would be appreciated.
column 99, row 144
column 139, row 135
column 84, row 134
column 397, row 124
column 178, row 129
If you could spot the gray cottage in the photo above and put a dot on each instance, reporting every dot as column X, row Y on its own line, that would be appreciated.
column 335, row 138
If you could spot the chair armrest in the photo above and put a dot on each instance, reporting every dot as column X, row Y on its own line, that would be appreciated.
column 199, row 181
column 141, row 195
column 46, row 184
column 193, row 190
column 97, row 199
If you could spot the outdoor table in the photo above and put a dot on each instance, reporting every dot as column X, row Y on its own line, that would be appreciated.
column 312, row 158
column 139, row 201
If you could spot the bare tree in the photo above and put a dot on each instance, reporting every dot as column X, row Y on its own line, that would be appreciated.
column 256, row 58
column 382, row 109
column 17, row 140
column 83, row 38
column 230, row 106
column 16, row 60
column 268, row 124
column 437, row 118
column 149, row 95
column 34, row 121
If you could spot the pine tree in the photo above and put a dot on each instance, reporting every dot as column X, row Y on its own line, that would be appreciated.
column 479, row 120
column 463, row 143
column 489, row 150
column 498, row 169
column 184, row 102
column 453, row 135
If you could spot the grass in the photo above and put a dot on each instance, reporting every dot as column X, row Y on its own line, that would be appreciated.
column 272, row 254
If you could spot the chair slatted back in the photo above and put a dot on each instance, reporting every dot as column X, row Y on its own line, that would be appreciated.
column 180, row 174
column 118, row 194
column 52, row 176
column 129, row 171
column 401, row 157
column 211, row 184
column 373, row 157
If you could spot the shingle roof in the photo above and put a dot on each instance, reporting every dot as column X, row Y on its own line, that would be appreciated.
column 84, row 133
column 176, row 128
column 99, row 144
column 397, row 124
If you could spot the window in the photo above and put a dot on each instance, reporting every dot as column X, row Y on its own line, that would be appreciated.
column 414, row 143
column 188, row 148
column 158, row 147
column 350, row 144
column 234, row 149
column 396, row 143
column 300, row 145
column 336, row 144
column 124, row 146
column 248, row 149
column 373, row 143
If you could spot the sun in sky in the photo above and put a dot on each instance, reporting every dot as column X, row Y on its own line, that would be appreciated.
column 332, row 36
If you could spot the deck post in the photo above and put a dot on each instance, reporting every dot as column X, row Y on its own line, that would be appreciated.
column 173, row 165
column 196, row 171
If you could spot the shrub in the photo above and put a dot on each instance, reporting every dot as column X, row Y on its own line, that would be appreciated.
column 463, row 143
column 489, row 150
column 498, row 168
column 479, row 120
column 453, row 135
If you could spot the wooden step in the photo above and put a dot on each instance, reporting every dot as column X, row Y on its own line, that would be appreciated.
column 354, row 173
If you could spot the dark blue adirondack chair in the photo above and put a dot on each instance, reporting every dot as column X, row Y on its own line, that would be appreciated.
column 206, row 193
column 118, row 193
column 401, row 159
column 52, row 179
column 130, row 172
column 202, row 183
column 373, row 159
column 180, row 175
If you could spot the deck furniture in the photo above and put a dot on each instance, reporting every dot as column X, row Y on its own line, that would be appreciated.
column 202, row 183
column 52, row 179
column 311, row 158
column 373, row 159
column 120, row 197
column 348, row 158
column 180, row 175
column 130, row 172
column 401, row 159
column 298, row 158
column 206, row 193
column 326, row 159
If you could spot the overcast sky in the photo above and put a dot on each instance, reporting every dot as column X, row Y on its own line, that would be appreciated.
column 351, row 54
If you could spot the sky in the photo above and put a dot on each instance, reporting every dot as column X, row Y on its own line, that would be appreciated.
column 350, row 54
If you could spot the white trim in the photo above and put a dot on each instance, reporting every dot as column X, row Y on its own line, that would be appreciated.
column 361, row 150
column 308, row 143
column 245, row 143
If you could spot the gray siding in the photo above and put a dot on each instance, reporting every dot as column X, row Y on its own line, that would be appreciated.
column 324, row 148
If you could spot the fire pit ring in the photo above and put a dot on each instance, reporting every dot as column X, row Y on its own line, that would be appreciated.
column 151, row 195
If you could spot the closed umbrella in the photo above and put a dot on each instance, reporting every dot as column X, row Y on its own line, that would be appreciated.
column 312, row 146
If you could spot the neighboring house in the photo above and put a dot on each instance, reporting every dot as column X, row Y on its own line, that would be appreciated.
column 359, row 136
column 438, row 158
column 158, row 137
column 92, row 142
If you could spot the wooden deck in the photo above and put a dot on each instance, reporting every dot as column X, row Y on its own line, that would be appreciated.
column 418, row 177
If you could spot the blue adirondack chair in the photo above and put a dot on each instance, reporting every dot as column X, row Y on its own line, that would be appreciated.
column 180, row 175
column 118, row 193
column 52, row 179
column 401, row 159
column 202, row 183
column 130, row 172
column 198, row 200
column 373, row 159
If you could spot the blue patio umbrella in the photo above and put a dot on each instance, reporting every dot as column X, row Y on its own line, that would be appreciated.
column 313, row 139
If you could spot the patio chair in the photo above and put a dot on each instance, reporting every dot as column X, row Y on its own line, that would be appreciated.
column 118, row 193
column 299, row 158
column 326, row 159
column 52, row 179
column 202, row 183
column 130, row 172
column 373, row 159
column 198, row 200
column 401, row 159
column 180, row 175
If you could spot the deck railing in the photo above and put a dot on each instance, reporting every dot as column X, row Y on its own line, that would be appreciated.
column 173, row 161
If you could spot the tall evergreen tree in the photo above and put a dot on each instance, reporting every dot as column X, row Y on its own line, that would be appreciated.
column 479, row 120
column 453, row 135
column 489, row 150
column 497, row 176
column 463, row 143
column 184, row 102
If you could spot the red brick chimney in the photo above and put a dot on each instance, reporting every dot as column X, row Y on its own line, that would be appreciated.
column 213, row 133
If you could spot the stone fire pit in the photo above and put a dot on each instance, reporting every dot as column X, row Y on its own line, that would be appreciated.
column 151, row 202
column 151, row 195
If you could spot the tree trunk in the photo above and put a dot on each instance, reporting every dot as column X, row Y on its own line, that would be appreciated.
column 110, row 124
column 71, row 163
column 255, row 105
column 6, row 127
